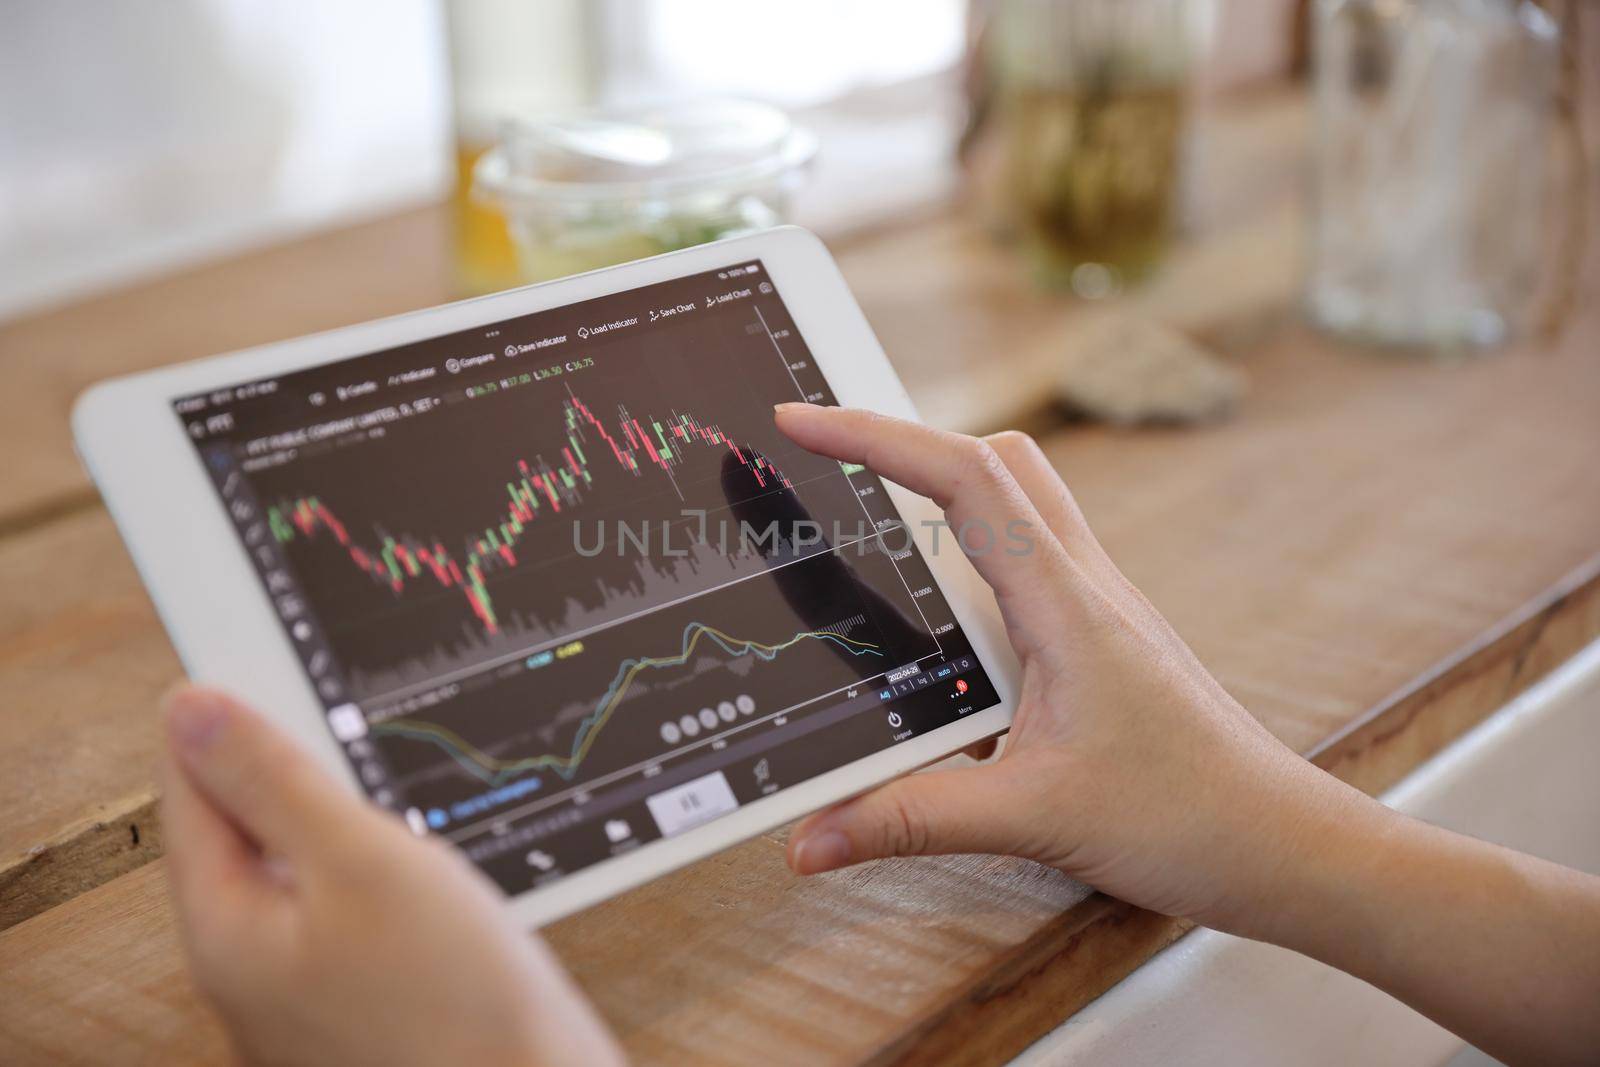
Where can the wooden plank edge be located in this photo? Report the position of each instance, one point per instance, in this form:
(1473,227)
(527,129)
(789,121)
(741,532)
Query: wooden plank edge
(1417,721)
(1095,945)
(1034,990)
(123,837)
(46,510)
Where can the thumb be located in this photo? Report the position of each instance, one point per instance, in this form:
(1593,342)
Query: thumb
(254,775)
(967,809)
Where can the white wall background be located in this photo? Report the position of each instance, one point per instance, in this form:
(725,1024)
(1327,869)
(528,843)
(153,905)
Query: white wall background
(138,136)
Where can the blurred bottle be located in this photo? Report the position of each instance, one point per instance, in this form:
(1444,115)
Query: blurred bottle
(1089,107)
(509,60)
(1433,125)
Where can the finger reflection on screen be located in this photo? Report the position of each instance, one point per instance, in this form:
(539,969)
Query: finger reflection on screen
(757,508)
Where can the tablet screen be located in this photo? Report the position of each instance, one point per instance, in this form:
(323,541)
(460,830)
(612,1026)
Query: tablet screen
(561,585)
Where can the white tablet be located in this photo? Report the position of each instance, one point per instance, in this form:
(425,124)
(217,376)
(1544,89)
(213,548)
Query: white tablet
(538,572)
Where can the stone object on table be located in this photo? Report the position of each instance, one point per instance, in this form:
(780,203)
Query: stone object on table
(1126,370)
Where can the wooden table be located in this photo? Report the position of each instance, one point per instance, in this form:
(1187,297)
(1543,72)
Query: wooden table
(1372,556)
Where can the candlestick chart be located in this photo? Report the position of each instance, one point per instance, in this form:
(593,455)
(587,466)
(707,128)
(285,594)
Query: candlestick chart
(537,489)
(467,549)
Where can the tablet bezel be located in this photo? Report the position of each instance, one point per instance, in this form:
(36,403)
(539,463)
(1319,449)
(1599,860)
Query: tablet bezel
(226,634)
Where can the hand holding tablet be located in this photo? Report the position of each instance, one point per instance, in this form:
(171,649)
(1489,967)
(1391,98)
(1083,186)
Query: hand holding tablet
(544,575)
(363,534)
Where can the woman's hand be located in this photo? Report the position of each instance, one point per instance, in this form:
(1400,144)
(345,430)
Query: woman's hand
(1127,766)
(324,931)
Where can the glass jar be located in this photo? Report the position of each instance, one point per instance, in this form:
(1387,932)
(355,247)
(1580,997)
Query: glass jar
(1090,104)
(590,191)
(1433,119)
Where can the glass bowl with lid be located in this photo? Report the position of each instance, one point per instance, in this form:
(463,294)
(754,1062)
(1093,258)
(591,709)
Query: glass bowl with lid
(591,190)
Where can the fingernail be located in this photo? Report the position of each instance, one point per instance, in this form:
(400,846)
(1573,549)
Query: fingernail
(822,852)
(196,718)
(792,405)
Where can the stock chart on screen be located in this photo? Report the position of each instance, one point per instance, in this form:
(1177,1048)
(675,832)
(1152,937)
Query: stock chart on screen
(561,586)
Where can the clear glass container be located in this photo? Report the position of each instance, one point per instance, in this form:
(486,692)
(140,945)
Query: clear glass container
(1091,99)
(604,188)
(1433,122)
